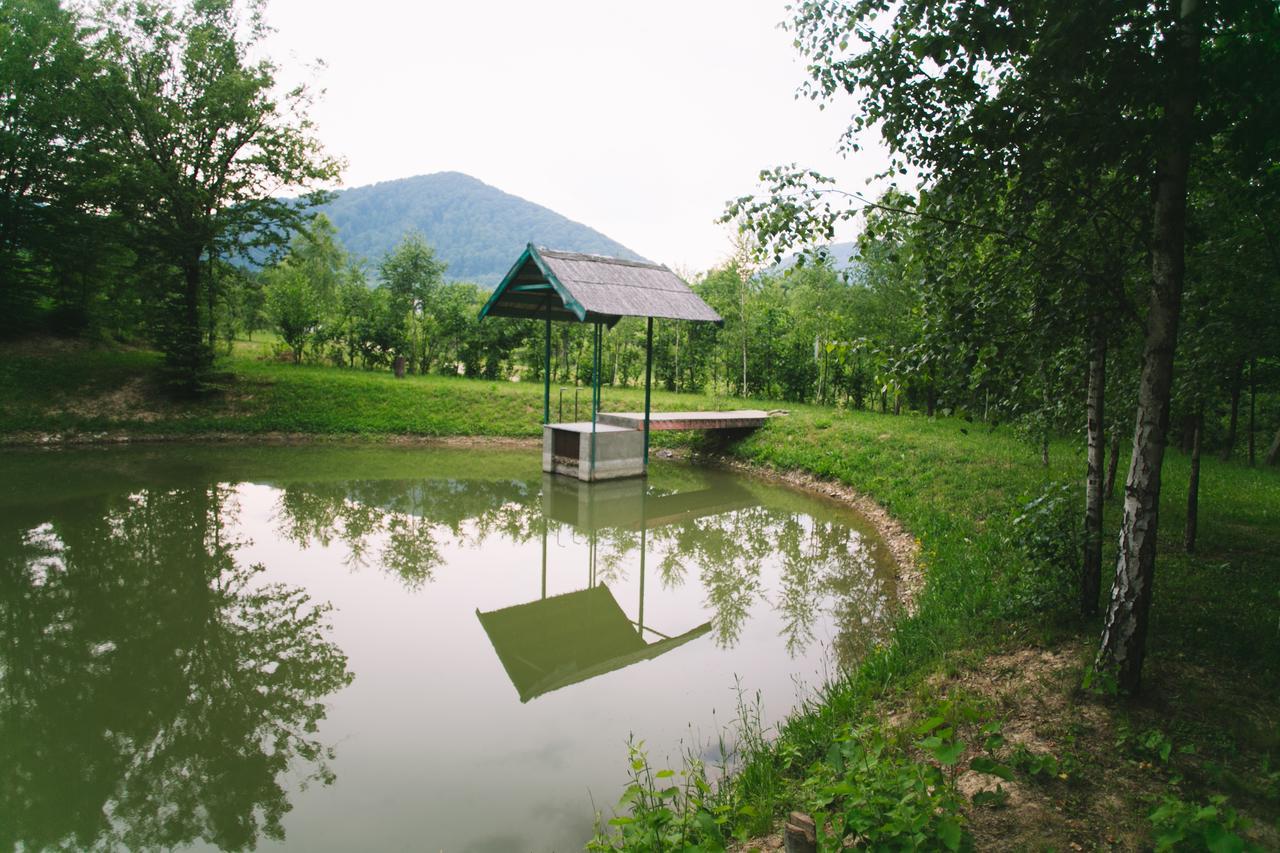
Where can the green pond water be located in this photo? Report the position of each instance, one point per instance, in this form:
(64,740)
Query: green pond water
(351,647)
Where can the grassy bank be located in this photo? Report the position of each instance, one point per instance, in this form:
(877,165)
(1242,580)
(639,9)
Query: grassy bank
(972,727)
(988,674)
(74,391)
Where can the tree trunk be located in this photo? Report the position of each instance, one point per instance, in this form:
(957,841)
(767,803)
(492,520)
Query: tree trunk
(1193,485)
(1046,399)
(1253,410)
(1124,637)
(822,375)
(676,326)
(186,350)
(1273,452)
(1235,410)
(211,298)
(1187,432)
(930,400)
(1091,576)
(1113,463)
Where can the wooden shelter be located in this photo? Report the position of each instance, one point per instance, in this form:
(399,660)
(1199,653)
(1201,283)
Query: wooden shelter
(572,287)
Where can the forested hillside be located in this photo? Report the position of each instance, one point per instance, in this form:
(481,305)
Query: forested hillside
(478,230)
(842,257)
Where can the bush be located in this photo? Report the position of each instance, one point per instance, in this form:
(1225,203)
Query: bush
(1047,530)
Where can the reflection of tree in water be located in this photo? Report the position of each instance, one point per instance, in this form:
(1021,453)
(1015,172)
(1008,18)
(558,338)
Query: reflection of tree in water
(152,691)
(800,597)
(819,561)
(824,567)
(413,519)
(616,551)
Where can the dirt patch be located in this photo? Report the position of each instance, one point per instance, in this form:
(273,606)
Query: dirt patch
(43,346)
(1090,767)
(132,401)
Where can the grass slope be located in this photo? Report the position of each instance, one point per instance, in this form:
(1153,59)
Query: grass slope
(978,642)
(74,392)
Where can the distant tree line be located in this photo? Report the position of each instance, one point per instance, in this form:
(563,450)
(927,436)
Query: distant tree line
(329,308)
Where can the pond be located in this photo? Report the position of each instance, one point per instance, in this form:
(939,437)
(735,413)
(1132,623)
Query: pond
(351,647)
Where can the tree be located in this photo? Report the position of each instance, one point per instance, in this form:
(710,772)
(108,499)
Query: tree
(411,275)
(204,146)
(55,175)
(990,104)
(293,306)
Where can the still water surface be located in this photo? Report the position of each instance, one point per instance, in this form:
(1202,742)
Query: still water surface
(337,648)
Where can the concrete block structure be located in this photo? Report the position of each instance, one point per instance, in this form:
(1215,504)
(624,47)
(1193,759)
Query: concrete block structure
(567,449)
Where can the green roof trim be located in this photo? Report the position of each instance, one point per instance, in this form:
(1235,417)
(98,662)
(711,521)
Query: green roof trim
(530,253)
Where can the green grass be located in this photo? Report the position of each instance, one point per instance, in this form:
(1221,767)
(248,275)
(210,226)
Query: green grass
(1214,643)
(86,391)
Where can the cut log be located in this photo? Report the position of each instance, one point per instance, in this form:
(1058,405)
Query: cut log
(800,834)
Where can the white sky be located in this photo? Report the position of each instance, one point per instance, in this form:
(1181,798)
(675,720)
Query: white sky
(638,119)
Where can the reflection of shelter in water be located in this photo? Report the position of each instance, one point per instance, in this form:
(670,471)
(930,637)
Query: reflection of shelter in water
(565,639)
(627,504)
(554,642)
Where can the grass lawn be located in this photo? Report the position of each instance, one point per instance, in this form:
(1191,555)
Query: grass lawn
(973,720)
(76,391)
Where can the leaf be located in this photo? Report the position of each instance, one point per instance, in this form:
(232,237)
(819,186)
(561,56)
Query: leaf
(711,838)
(949,833)
(930,724)
(948,753)
(1219,839)
(983,764)
(993,799)
(665,774)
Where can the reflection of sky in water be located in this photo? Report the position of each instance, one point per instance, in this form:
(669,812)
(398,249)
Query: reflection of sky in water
(180,631)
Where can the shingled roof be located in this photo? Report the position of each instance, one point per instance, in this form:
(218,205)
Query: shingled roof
(593,289)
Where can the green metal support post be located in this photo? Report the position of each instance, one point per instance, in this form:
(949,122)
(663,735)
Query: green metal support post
(546,375)
(648,374)
(595,395)
(644,529)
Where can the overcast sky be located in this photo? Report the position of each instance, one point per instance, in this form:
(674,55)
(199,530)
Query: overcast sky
(639,119)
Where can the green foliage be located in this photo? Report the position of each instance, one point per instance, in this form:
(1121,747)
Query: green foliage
(1180,825)
(868,788)
(158,146)
(56,170)
(1156,744)
(293,305)
(1042,765)
(1047,529)
(665,810)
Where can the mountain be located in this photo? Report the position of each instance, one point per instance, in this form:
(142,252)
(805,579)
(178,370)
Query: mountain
(478,229)
(844,258)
